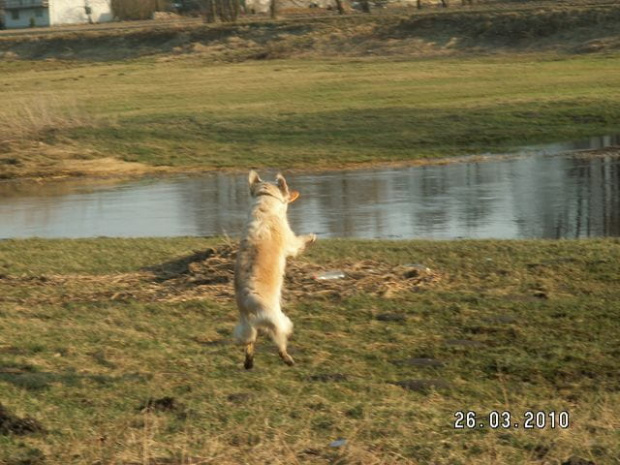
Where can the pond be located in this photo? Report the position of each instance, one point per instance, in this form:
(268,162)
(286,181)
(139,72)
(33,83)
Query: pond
(530,196)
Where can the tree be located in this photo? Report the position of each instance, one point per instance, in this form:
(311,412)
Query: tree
(226,10)
(208,11)
(273,9)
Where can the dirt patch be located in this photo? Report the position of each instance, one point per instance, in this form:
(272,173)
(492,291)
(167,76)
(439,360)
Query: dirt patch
(212,272)
(103,167)
(41,160)
(209,274)
(239,398)
(164,404)
(12,424)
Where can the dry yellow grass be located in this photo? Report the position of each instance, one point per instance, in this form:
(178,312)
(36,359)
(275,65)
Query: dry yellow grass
(34,117)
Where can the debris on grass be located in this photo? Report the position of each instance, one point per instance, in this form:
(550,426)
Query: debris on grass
(329,275)
(210,274)
(213,273)
(338,443)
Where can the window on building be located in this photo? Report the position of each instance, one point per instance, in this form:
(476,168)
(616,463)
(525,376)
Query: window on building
(15,15)
(38,13)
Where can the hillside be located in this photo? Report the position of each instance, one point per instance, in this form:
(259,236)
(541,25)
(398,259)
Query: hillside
(568,28)
(306,92)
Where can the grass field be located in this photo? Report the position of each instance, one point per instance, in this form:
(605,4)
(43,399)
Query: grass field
(120,353)
(367,91)
(297,114)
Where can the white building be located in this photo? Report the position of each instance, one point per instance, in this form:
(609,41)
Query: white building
(38,13)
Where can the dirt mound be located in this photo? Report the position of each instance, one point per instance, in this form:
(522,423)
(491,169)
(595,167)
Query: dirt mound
(211,272)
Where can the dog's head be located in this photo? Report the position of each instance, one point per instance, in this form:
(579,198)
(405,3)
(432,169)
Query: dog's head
(278,190)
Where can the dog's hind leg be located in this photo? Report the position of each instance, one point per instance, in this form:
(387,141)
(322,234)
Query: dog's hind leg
(280,339)
(280,336)
(249,356)
(246,334)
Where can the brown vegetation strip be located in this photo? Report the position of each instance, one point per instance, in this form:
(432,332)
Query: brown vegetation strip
(209,274)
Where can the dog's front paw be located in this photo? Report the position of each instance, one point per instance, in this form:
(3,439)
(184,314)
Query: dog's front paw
(311,239)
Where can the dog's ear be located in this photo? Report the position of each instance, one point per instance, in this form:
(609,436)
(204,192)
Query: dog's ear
(294,195)
(253,178)
(282,185)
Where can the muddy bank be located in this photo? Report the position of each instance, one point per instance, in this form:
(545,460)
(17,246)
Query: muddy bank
(71,167)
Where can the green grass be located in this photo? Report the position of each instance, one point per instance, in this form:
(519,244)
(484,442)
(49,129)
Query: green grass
(308,114)
(93,337)
(192,114)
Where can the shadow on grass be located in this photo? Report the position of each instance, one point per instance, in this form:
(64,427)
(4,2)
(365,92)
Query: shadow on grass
(12,424)
(212,268)
(179,266)
(28,378)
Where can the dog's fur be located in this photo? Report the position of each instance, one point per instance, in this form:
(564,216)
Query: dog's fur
(259,272)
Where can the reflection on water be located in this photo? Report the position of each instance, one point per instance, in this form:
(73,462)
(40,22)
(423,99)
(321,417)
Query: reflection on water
(530,197)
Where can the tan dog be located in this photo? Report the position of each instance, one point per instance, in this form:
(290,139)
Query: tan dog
(259,272)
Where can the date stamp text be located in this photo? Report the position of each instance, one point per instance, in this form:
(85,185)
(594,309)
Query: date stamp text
(468,419)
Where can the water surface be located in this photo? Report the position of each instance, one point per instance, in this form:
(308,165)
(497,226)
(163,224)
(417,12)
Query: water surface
(537,196)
